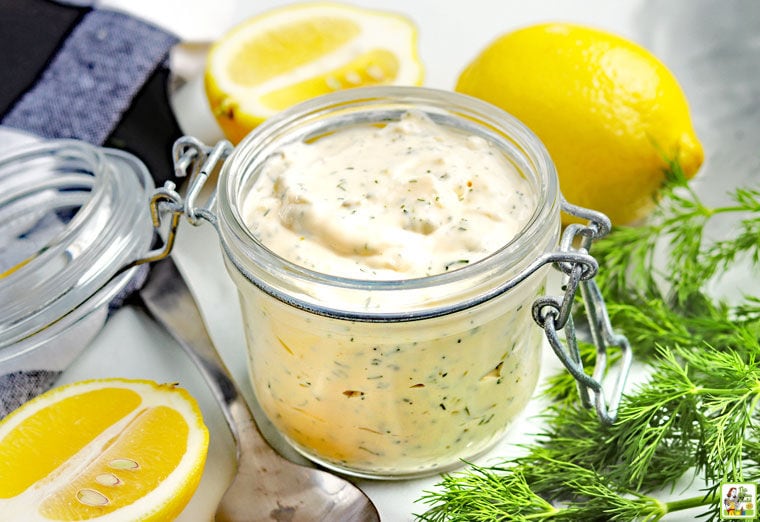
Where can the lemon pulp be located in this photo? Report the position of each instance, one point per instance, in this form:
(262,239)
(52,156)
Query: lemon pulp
(282,57)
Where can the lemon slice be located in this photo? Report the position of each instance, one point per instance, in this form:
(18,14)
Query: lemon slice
(275,60)
(104,450)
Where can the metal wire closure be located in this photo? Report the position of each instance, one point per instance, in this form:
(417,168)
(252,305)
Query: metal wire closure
(191,158)
(553,314)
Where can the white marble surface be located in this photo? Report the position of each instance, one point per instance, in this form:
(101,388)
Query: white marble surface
(451,34)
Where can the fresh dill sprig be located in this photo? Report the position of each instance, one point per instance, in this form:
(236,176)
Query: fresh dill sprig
(653,322)
(724,253)
(699,403)
(697,413)
(507,492)
(695,416)
(669,258)
(486,494)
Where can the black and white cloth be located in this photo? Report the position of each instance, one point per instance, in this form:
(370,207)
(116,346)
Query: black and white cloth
(74,70)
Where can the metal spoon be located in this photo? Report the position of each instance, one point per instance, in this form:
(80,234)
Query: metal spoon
(267,487)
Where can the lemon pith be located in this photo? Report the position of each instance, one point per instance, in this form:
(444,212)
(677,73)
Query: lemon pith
(115,480)
(29,444)
(609,112)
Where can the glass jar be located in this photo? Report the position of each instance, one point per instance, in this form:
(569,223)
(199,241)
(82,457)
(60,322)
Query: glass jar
(435,368)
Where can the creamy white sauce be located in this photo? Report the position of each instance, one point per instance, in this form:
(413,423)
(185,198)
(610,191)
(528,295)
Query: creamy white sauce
(405,200)
(399,201)
(394,400)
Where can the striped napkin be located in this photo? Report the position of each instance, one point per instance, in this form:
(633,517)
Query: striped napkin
(95,87)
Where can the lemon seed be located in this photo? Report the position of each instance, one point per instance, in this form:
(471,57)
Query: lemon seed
(91,497)
(376,73)
(333,83)
(107,479)
(353,78)
(123,464)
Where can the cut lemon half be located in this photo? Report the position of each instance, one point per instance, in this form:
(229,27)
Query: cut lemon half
(102,450)
(288,55)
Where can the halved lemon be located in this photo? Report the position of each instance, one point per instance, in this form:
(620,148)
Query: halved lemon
(102,450)
(282,57)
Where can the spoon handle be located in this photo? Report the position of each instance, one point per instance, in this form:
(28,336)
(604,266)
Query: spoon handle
(266,486)
(169,300)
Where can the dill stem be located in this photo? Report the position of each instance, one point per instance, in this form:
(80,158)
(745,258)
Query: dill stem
(698,390)
(723,210)
(544,515)
(687,503)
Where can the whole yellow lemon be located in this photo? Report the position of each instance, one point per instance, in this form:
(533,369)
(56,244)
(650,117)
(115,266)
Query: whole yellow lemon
(609,112)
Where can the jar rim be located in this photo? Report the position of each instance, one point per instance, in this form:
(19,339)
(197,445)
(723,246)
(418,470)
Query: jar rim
(240,244)
(96,199)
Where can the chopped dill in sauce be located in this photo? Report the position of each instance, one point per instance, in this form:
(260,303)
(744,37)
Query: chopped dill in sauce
(456,199)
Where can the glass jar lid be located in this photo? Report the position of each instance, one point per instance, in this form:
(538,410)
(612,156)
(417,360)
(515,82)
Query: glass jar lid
(73,215)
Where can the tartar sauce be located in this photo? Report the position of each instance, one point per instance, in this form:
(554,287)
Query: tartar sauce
(400,200)
(408,199)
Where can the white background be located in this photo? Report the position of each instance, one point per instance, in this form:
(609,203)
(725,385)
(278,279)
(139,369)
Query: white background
(711,46)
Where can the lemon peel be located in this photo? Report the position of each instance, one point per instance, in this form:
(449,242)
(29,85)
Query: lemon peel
(609,112)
